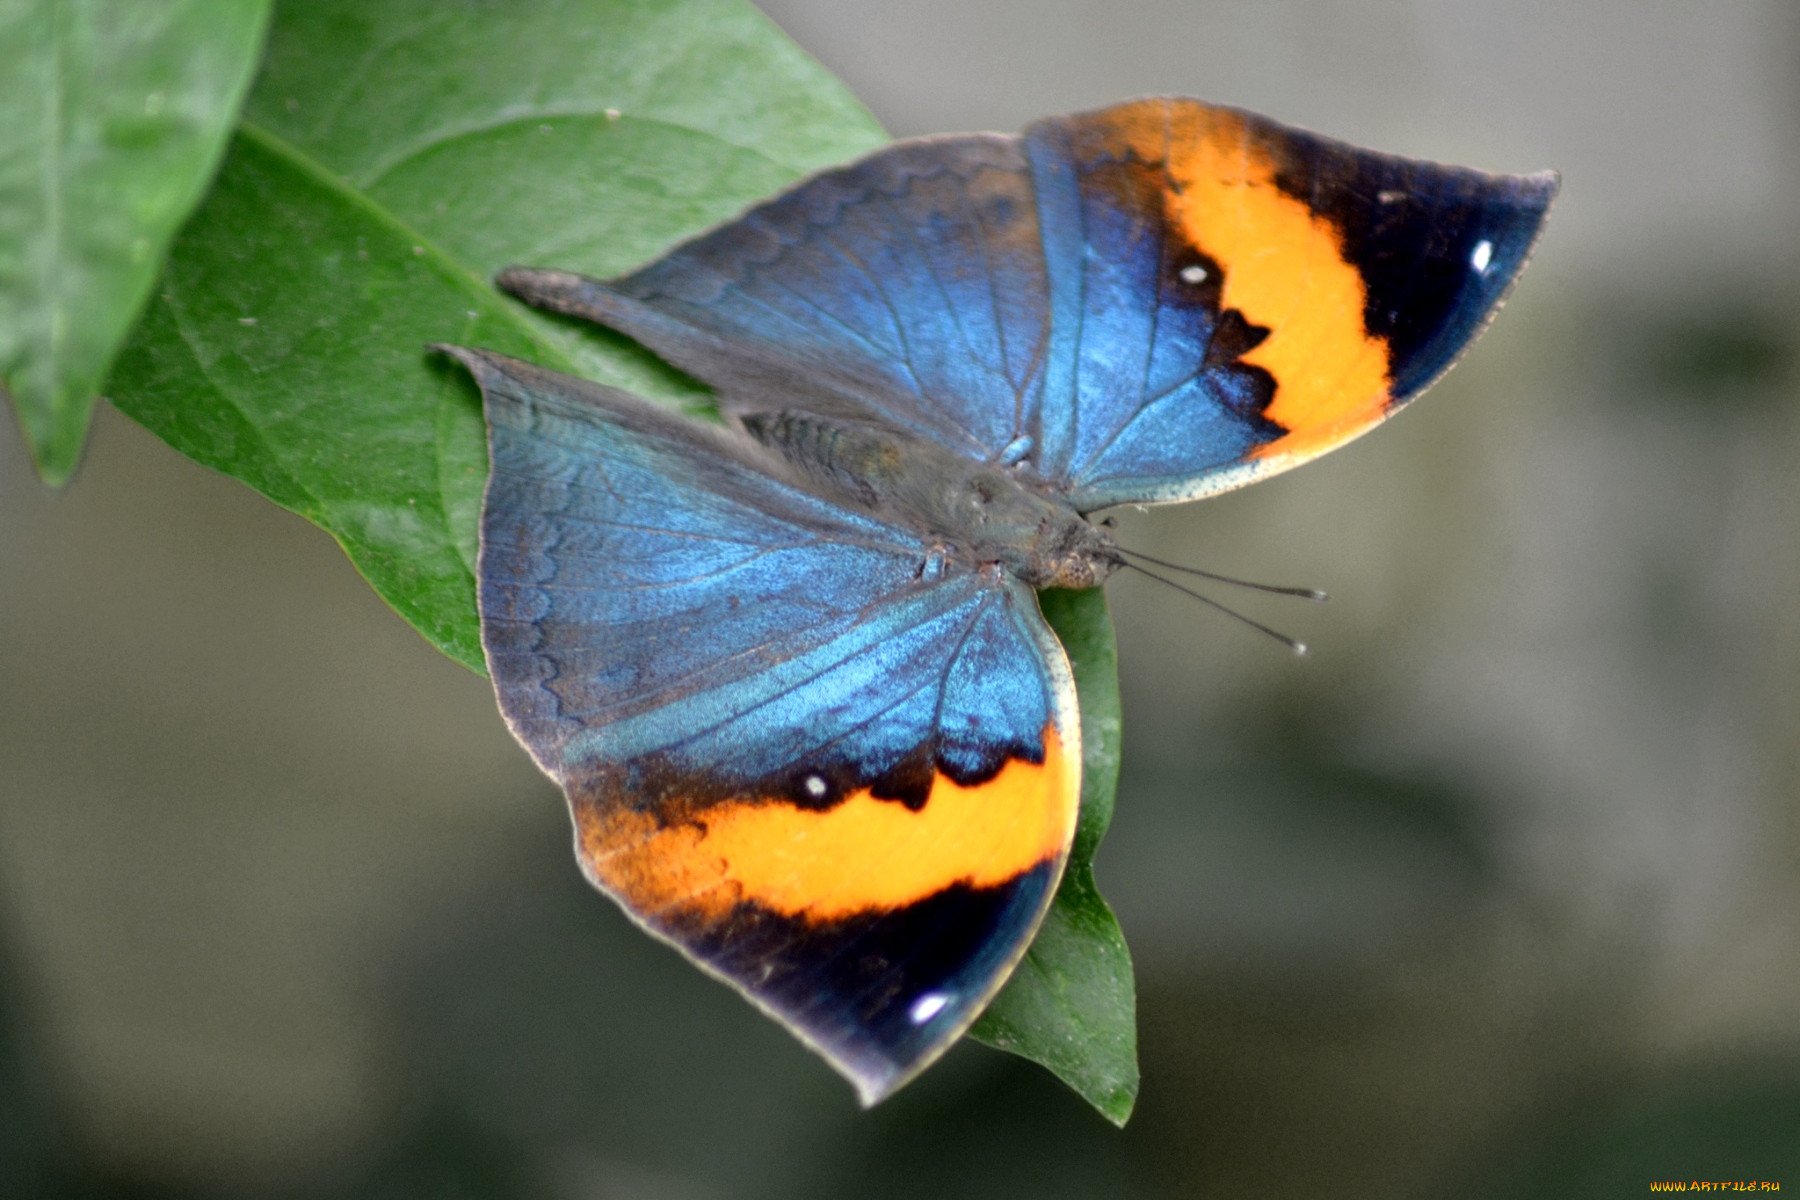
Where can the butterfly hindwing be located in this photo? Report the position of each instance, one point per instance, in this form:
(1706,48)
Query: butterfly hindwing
(835,770)
(1151,302)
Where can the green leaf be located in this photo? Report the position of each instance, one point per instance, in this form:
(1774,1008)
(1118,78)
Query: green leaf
(286,348)
(1071,1005)
(393,157)
(116,112)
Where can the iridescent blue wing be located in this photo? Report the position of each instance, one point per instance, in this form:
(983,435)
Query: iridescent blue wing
(1151,302)
(834,770)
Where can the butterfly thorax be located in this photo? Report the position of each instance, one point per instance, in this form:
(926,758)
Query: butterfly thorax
(984,513)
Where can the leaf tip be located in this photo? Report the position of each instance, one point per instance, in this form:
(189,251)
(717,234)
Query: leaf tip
(54,470)
(54,438)
(1119,1105)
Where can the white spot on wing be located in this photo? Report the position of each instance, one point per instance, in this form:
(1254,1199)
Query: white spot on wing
(1193,274)
(815,787)
(1483,257)
(926,1007)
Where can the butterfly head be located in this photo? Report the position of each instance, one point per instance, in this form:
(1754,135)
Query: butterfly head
(1071,552)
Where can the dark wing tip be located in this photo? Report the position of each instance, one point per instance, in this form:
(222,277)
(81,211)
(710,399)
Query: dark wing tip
(1547,183)
(507,384)
(488,367)
(1490,231)
(465,355)
(478,361)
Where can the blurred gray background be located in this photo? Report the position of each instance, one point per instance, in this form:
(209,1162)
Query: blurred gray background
(1497,894)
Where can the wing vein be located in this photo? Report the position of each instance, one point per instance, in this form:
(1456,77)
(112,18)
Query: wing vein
(790,689)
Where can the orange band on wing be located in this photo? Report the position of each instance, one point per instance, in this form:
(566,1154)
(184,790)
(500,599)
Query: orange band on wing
(1284,270)
(859,855)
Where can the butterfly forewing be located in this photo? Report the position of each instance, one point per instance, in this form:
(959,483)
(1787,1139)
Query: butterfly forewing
(1230,297)
(906,288)
(1151,302)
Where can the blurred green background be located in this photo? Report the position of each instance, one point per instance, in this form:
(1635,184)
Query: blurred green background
(1496,895)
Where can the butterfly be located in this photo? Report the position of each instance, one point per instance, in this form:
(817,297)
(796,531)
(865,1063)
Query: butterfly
(791,671)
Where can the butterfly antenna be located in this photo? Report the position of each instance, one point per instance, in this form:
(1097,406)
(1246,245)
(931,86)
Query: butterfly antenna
(1304,593)
(1298,647)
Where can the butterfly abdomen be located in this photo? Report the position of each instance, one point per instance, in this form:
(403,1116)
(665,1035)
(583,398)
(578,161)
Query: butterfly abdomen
(985,514)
